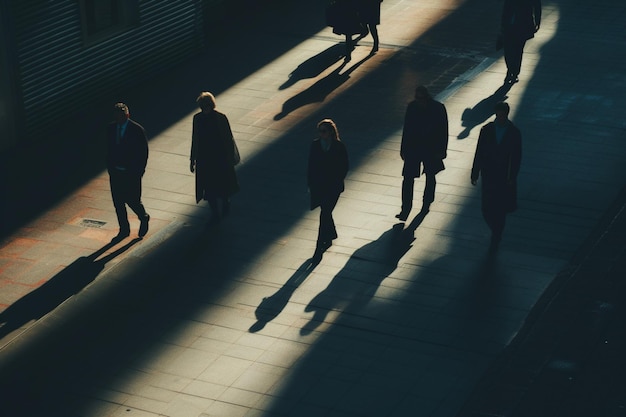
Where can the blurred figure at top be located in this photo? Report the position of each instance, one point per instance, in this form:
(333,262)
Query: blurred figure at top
(520,21)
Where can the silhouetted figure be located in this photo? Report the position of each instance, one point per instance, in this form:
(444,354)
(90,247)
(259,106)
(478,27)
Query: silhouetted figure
(343,17)
(369,15)
(497,160)
(213,158)
(424,143)
(127,156)
(327,168)
(520,21)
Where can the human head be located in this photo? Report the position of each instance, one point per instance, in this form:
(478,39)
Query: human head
(502,111)
(206,101)
(328,126)
(120,113)
(422,95)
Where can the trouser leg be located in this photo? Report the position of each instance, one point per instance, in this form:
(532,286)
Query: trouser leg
(495,219)
(327,230)
(429,189)
(117,184)
(407,194)
(513,51)
(134,196)
(374,32)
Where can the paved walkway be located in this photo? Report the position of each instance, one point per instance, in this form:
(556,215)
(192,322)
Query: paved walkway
(397,319)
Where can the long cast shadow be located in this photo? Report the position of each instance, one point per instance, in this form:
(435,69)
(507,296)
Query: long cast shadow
(271,306)
(482,111)
(315,65)
(318,92)
(59,288)
(359,279)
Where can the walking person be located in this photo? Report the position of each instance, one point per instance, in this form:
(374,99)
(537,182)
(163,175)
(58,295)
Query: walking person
(497,161)
(424,144)
(327,168)
(343,17)
(213,158)
(369,15)
(520,21)
(127,157)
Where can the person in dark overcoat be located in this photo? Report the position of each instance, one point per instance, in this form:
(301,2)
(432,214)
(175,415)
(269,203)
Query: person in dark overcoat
(519,22)
(343,17)
(327,168)
(424,144)
(369,15)
(213,158)
(497,161)
(127,157)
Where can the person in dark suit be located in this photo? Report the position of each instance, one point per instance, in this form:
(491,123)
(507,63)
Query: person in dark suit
(369,15)
(497,161)
(213,157)
(127,156)
(327,168)
(424,143)
(520,21)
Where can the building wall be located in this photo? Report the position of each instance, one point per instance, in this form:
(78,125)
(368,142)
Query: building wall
(59,67)
(8,134)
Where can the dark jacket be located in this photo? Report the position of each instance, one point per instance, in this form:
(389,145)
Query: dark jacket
(519,18)
(131,153)
(424,138)
(498,165)
(213,150)
(326,171)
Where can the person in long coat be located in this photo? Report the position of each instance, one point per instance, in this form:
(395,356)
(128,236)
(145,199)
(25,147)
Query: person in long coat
(343,17)
(424,144)
(519,22)
(213,157)
(327,168)
(497,161)
(369,16)
(127,157)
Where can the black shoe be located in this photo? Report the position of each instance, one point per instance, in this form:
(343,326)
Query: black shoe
(511,79)
(403,215)
(123,234)
(143,227)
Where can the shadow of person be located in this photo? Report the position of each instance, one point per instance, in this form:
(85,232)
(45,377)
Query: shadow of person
(317,92)
(59,288)
(271,306)
(482,111)
(315,65)
(359,279)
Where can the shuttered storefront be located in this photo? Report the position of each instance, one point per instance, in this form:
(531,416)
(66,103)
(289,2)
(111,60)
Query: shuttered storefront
(62,67)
